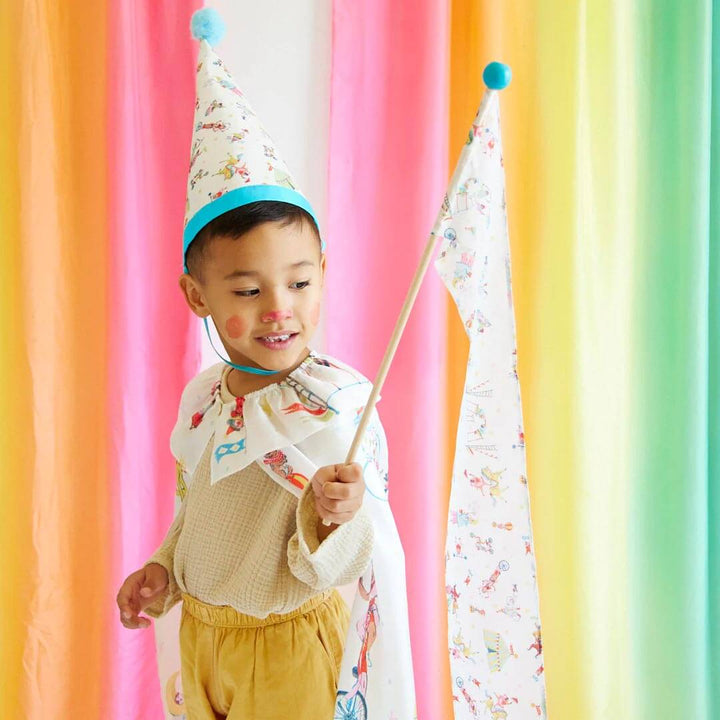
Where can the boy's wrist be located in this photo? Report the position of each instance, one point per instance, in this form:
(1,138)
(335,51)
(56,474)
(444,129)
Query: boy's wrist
(324,530)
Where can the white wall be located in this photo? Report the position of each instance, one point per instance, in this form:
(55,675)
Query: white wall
(279,52)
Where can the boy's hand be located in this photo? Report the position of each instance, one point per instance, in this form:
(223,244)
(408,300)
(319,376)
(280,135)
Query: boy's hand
(339,491)
(139,590)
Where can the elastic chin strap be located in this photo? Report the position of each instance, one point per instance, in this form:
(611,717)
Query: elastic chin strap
(244,368)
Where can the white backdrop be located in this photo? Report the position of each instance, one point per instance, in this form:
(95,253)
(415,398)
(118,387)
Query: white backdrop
(279,53)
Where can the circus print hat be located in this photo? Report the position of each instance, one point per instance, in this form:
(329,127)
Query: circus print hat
(233,160)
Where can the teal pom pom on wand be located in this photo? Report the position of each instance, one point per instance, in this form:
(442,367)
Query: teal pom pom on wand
(206,24)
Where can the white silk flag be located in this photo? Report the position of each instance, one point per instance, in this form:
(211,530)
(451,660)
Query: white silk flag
(493,611)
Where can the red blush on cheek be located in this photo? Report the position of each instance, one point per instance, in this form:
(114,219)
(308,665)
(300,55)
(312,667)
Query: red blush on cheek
(315,314)
(235,327)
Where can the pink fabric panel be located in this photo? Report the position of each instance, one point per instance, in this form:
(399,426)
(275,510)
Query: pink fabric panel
(153,347)
(387,177)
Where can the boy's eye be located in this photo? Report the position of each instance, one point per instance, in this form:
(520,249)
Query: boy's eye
(252,293)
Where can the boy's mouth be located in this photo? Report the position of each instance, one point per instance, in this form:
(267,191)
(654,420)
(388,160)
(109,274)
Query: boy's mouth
(277,341)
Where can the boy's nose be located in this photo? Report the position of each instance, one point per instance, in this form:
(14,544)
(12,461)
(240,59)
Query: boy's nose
(276,315)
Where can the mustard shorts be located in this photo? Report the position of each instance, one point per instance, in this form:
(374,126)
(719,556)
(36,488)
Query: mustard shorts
(280,667)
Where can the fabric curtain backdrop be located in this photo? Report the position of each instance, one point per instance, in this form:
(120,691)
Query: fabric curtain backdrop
(97,104)
(387,173)
(610,132)
(153,343)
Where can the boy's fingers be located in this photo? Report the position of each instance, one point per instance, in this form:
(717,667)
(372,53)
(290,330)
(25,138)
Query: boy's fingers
(156,580)
(125,597)
(349,473)
(134,594)
(343,491)
(324,475)
(126,614)
(146,600)
(128,606)
(337,506)
(125,610)
(344,505)
(135,622)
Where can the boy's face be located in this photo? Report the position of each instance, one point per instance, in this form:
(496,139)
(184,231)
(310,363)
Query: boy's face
(266,284)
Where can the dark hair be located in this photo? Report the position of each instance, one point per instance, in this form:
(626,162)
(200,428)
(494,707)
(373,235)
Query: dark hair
(236,222)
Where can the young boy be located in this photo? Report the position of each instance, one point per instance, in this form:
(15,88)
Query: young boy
(260,443)
(234,552)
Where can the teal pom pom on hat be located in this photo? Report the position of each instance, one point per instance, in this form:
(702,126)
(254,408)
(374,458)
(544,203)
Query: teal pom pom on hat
(206,24)
(497,75)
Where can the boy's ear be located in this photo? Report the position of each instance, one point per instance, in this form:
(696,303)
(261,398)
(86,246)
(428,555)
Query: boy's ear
(322,268)
(193,295)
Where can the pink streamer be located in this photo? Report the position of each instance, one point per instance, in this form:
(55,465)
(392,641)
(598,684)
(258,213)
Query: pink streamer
(152,349)
(387,175)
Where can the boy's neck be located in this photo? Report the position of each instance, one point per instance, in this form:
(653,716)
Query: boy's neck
(240,383)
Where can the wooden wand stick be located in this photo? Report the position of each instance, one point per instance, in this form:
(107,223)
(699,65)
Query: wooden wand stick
(496,76)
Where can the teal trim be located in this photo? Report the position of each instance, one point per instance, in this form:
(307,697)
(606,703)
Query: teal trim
(244,368)
(237,198)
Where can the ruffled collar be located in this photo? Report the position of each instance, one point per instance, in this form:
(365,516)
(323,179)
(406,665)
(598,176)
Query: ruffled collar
(320,392)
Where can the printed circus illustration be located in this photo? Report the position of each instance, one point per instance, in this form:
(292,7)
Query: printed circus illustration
(277,461)
(309,402)
(198,416)
(473,195)
(181,485)
(174,698)
(236,421)
(351,705)
(233,166)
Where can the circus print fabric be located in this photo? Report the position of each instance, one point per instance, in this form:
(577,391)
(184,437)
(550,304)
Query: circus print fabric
(494,635)
(290,429)
(376,674)
(320,392)
(230,147)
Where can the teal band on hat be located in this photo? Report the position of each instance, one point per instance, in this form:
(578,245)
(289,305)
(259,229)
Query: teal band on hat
(237,198)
